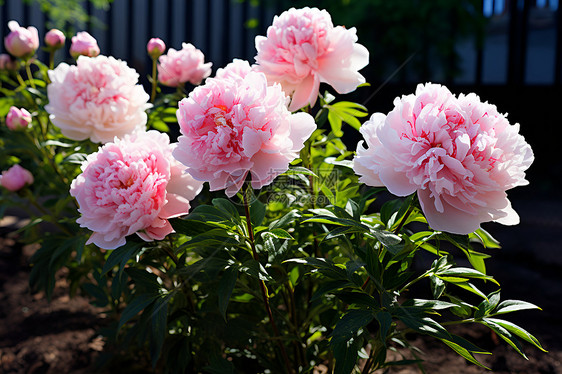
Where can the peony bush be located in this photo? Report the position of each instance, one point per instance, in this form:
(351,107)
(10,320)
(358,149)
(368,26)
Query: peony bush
(263,243)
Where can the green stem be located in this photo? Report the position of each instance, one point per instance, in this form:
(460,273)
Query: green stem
(263,288)
(414,281)
(395,231)
(52,59)
(154,81)
(20,79)
(29,75)
(44,211)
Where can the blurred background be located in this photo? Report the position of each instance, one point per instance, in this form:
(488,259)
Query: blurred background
(509,52)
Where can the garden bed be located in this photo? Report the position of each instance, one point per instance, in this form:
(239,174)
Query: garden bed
(62,336)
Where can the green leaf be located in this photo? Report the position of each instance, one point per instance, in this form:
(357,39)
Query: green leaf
(143,279)
(508,306)
(461,272)
(513,328)
(135,306)
(227,207)
(424,325)
(225,287)
(286,220)
(428,304)
(324,266)
(256,270)
(349,324)
(345,353)
(159,328)
(279,233)
(329,287)
(337,221)
(121,255)
(299,170)
(504,334)
(99,294)
(257,212)
(463,352)
(485,238)
(385,322)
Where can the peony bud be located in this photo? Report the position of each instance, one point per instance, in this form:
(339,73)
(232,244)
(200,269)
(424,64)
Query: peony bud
(15,178)
(21,42)
(84,44)
(54,39)
(155,47)
(18,119)
(7,63)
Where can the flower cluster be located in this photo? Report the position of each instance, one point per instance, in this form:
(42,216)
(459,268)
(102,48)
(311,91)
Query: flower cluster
(100,168)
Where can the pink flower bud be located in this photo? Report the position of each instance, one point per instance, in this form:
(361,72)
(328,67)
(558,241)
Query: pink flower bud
(21,42)
(15,178)
(54,39)
(155,47)
(84,44)
(18,118)
(7,63)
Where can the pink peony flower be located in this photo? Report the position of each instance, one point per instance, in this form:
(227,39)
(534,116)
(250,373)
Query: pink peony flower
(459,154)
(234,126)
(303,49)
(84,44)
(54,39)
(237,69)
(21,42)
(132,185)
(15,178)
(98,98)
(185,65)
(155,47)
(18,118)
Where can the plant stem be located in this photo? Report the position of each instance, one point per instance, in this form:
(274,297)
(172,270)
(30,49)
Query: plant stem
(262,283)
(20,80)
(51,59)
(29,75)
(395,231)
(414,281)
(154,82)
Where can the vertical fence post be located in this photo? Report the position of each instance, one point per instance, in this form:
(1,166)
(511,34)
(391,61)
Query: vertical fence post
(517,43)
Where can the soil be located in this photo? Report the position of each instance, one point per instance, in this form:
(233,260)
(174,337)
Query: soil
(60,337)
